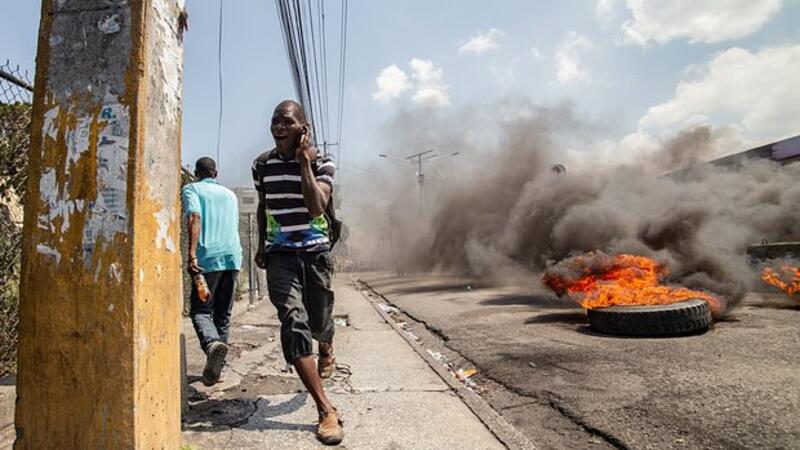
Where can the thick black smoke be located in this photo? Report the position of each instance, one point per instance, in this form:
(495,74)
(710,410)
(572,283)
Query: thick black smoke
(503,211)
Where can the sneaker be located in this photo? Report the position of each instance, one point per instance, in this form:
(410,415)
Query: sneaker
(330,431)
(215,360)
(327,358)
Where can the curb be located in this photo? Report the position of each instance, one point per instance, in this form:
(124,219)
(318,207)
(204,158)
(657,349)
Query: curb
(497,425)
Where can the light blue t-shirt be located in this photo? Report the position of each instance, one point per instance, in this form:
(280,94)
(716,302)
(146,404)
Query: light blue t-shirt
(218,247)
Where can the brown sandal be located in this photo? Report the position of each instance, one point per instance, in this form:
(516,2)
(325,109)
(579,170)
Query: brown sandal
(330,431)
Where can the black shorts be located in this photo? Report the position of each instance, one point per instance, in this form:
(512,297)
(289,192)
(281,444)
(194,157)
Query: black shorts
(299,285)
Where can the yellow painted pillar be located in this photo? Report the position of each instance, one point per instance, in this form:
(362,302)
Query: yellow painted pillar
(98,363)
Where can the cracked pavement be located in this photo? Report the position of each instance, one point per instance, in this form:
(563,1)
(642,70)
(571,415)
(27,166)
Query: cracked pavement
(389,396)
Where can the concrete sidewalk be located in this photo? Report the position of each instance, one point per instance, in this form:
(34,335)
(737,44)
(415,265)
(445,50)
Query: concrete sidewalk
(390,398)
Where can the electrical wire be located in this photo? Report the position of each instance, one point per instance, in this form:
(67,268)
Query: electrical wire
(321,9)
(342,74)
(309,106)
(219,75)
(304,34)
(315,74)
(295,31)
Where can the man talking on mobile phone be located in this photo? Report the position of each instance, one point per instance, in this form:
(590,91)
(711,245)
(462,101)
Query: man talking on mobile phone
(294,187)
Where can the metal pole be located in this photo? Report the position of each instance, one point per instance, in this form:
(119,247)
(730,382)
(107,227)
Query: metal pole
(250,271)
(421,196)
(255,268)
(420,181)
(256,284)
(259,285)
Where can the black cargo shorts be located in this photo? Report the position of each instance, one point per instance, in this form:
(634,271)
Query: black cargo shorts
(299,285)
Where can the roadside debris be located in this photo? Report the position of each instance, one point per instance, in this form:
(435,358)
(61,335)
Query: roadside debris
(463,375)
(412,336)
(436,355)
(388,309)
(401,321)
(341,320)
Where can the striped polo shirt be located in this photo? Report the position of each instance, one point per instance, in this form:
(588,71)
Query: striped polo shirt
(289,224)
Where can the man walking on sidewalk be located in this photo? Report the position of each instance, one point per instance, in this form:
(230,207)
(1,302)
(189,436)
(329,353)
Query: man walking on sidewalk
(213,221)
(294,187)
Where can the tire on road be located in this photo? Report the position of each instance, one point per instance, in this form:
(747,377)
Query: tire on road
(688,317)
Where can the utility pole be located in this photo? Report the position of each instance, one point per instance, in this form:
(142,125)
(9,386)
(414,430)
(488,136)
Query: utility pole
(417,159)
(259,285)
(250,269)
(99,353)
(327,144)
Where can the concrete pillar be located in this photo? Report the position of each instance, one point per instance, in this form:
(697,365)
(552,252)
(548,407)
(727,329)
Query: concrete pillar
(98,363)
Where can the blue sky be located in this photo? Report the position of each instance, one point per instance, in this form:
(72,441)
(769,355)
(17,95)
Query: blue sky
(644,69)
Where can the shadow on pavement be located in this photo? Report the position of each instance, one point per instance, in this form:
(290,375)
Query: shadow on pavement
(248,414)
(588,331)
(406,287)
(267,410)
(543,301)
(777,305)
(571,317)
(218,415)
(730,318)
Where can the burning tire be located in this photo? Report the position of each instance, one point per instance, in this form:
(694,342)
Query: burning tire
(688,317)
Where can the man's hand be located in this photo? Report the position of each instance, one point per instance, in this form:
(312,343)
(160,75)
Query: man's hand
(261,258)
(305,151)
(192,267)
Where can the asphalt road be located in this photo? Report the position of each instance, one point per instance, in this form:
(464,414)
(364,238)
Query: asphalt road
(564,386)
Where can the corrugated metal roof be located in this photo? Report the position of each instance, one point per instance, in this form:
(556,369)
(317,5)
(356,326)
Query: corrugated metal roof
(787,148)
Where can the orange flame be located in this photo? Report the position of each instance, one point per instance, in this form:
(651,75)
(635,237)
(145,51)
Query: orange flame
(792,287)
(622,280)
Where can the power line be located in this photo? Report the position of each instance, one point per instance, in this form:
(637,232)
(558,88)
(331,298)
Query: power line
(417,159)
(304,34)
(295,31)
(219,74)
(342,73)
(321,9)
(315,74)
(309,104)
(284,14)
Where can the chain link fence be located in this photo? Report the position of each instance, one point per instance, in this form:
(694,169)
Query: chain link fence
(16,93)
(252,281)
(186,178)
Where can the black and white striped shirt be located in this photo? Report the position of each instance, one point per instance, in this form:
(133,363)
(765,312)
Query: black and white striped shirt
(289,224)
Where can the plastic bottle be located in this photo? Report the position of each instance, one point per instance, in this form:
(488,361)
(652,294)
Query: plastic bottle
(202,287)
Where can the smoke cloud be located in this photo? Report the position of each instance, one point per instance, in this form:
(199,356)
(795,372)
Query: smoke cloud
(499,210)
